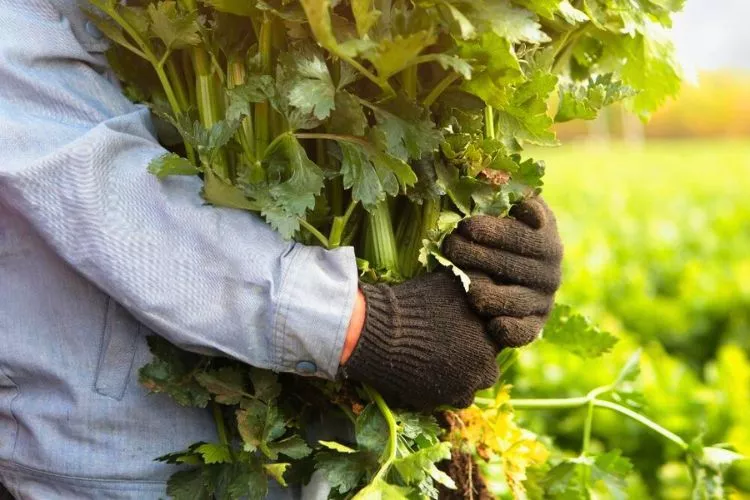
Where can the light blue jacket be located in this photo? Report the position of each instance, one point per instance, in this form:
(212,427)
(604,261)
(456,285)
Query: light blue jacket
(96,253)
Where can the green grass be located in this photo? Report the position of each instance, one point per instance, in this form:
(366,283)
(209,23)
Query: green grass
(658,252)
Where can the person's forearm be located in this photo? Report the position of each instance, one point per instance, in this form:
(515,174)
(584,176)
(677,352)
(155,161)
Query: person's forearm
(356,324)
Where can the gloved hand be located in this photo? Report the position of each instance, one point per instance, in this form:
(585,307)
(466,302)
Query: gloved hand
(514,266)
(422,345)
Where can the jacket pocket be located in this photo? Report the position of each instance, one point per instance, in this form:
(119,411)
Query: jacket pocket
(8,424)
(119,344)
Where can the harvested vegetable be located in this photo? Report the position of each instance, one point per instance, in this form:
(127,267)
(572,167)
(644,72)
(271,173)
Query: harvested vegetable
(379,124)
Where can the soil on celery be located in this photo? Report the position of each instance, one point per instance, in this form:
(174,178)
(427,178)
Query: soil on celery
(465,473)
(462,469)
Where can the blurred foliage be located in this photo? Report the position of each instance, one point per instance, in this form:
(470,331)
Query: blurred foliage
(657,253)
(718,105)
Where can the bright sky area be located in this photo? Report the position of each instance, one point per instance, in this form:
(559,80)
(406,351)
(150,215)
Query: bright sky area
(713,34)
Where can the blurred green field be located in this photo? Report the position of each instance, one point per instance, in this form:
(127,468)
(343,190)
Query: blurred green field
(658,253)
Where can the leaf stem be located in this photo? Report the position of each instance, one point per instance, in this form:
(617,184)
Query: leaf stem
(439,89)
(220,425)
(489,122)
(569,403)
(333,137)
(262,109)
(339,224)
(318,235)
(588,425)
(391,447)
(151,58)
(671,436)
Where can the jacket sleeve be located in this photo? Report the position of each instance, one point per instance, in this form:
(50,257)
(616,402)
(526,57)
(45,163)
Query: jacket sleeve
(208,279)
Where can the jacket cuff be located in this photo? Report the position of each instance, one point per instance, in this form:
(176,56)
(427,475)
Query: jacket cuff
(315,303)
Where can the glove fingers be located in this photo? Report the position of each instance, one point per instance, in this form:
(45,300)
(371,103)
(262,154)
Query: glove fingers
(490,299)
(515,332)
(505,266)
(533,212)
(512,235)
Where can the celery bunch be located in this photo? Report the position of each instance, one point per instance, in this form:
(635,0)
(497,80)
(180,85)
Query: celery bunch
(373,123)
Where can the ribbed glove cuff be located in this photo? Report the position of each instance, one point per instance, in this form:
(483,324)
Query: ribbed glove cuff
(394,337)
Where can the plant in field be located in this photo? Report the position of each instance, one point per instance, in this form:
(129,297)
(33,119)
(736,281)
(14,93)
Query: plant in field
(379,124)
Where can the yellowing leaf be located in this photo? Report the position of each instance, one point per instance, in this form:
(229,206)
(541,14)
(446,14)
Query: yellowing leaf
(365,15)
(392,56)
(493,431)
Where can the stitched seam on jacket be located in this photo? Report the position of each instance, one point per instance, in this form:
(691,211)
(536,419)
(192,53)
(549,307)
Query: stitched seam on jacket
(12,412)
(302,255)
(15,468)
(280,317)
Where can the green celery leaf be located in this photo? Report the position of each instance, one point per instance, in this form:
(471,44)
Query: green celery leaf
(492,200)
(175,28)
(460,24)
(347,117)
(187,485)
(416,466)
(214,453)
(369,180)
(403,130)
(247,481)
(189,457)
(571,14)
(307,84)
(226,384)
(171,373)
(455,63)
(426,187)
(551,8)
(344,471)
(612,469)
(266,386)
(413,426)
(259,424)
(525,117)
(372,430)
(576,334)
(496,67)
(458,187)
(293,447)
(512,23)
(584,101)
(295,183)
(258,88)
(171,164)
(220,193)
(544,8)
(650,67)
(380,490)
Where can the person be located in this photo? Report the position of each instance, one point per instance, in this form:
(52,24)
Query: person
(96,254)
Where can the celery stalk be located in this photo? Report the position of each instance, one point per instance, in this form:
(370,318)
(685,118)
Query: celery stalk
(236,76)
(380,241)
(262,109)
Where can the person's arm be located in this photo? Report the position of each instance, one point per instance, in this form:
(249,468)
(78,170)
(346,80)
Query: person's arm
(212,280)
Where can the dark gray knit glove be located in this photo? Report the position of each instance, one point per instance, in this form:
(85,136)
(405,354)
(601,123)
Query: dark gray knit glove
(514,266)
(422,346)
